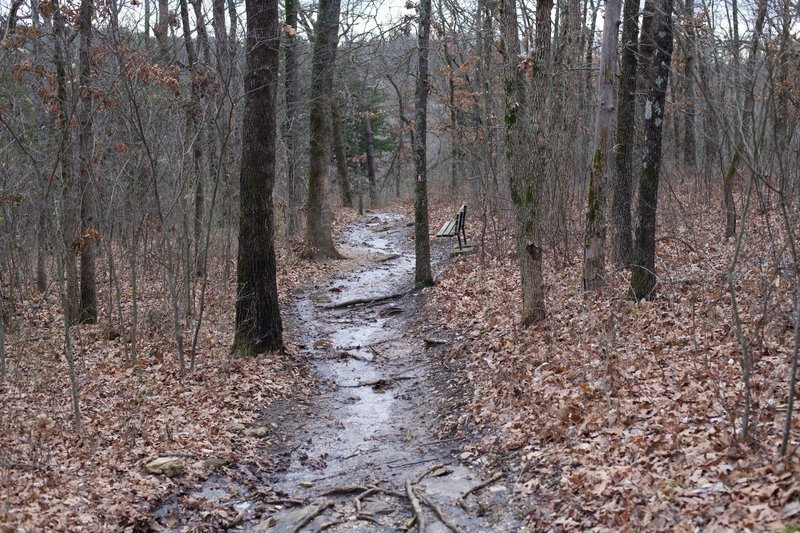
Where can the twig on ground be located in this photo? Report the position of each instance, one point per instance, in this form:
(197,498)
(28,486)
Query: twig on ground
(415,505)
(390,465)
(312,516)
(426,472)
(366,301)
(326,525)
(438,512)
(349,489)
(291,501)
(476,488)
(368,492)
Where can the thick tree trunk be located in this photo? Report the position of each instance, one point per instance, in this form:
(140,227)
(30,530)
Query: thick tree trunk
(291,126)
(340,153)
(258,320)
(594,254)
(621,242)
(643,279)
(523,182)
(88,304)
(318,223)
(422,275)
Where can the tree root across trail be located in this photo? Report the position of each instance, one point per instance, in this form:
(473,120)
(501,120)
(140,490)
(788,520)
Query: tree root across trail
(363,454)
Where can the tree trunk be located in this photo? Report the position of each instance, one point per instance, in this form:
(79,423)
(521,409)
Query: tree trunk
(161,30)
(88,304)
(369,148)
(523,182)
(423,276)
(594,255)
(743,132)
(194,134)
(2,342)
(621,242)
(340,152)
(318,224)
(291,126)
(258,320)
(643,279)
(69,228)
(689,157)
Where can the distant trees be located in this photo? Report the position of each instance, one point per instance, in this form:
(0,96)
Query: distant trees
(258,319)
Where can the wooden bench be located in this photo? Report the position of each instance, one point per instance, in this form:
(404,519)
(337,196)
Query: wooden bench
(455,227)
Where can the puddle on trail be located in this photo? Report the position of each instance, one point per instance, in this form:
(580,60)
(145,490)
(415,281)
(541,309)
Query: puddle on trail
(372,425)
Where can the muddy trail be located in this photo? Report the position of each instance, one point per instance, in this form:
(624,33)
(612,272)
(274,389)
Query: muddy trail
(363,454)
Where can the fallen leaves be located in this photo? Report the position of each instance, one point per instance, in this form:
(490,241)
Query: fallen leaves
(624,414)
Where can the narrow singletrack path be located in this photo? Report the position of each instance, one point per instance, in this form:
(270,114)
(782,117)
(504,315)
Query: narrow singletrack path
(364,456)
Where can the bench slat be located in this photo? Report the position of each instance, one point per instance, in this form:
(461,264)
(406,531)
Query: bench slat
(447,230)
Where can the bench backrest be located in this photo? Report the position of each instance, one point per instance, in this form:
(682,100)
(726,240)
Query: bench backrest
(460,217)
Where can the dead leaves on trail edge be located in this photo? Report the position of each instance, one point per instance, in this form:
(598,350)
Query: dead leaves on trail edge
(53,479)
(620,415)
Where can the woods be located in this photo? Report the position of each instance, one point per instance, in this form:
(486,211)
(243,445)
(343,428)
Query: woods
(198,196)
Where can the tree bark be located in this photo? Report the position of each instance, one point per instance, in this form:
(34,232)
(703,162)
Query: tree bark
(161,30)
(524,184)
(423,276)
(594,255)
(689,151)
(643,279)
(318,224)
(88,304)
(258,320)
(743,132)
(340,153)
(369,149)
(291,125)
(68,217)
(621,242)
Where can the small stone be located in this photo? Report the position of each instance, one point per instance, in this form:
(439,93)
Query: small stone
(235,427)
(376,507)
(168,466)
(307,484)
(212,463)
(258,432)
(465,455)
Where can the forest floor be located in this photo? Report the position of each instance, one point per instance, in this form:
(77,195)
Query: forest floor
(611,415)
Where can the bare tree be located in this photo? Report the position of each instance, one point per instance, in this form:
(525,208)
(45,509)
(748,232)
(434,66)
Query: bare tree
(318,224)
(659,39)
(523,180)
(594,255)
(89,233)
(291,125)
(258,320)
(422,274)
(621,242)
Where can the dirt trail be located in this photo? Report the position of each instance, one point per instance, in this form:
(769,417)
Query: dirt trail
(371,428)
(348,454)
